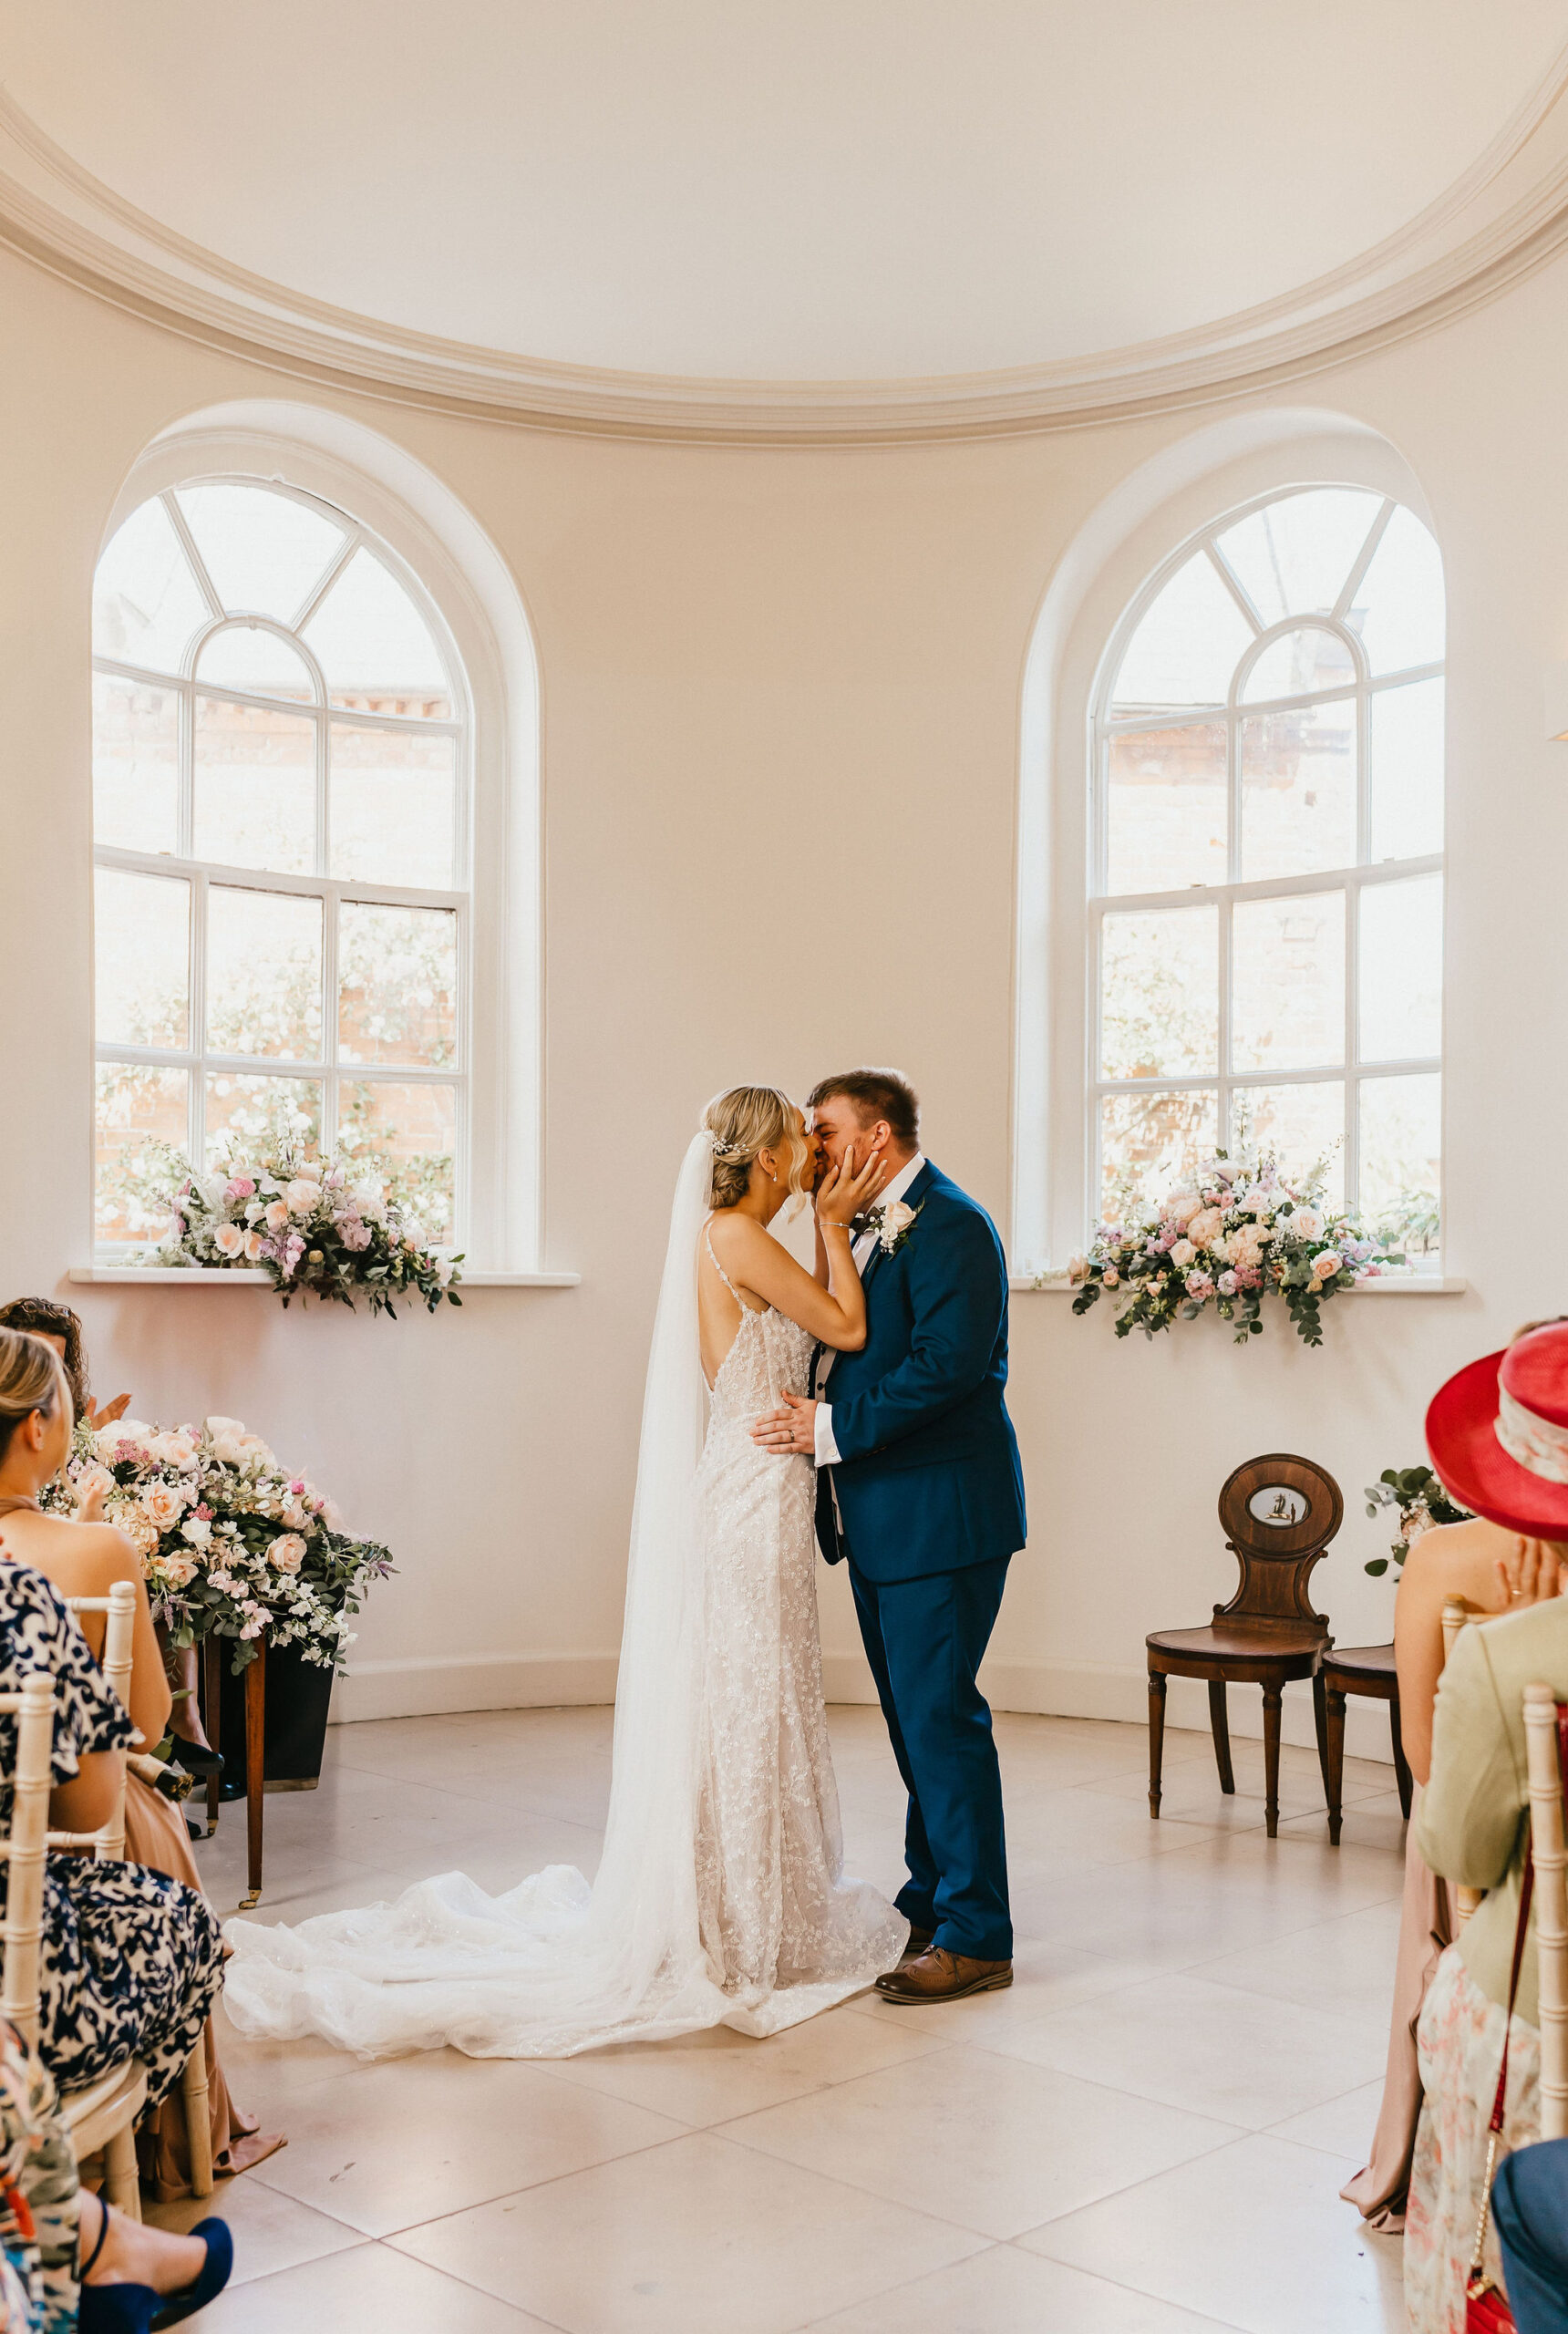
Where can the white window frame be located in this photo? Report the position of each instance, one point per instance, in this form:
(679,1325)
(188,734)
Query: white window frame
(470,594)
(1351,880)
(1146,516)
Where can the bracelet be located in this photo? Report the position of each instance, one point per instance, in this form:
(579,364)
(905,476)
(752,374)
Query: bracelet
(837,1228)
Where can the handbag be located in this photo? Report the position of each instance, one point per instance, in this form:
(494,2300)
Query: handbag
(1486,2306)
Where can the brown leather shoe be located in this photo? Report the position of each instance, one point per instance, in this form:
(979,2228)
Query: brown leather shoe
(938,1976)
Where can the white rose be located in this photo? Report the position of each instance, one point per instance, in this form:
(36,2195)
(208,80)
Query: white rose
(229,1240)
(303,1195)
(109,1438)
(370,1204)
(1183,1208)
(897,1217)
(1182,1252)
(197,1530)
(277,1215)
(1305,1224)
(287,1552)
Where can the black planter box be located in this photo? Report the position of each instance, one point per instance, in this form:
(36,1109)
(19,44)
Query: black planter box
(298,1694)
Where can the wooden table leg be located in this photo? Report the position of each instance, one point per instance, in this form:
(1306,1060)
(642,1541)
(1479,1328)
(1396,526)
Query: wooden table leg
(1156,1738)
(1401,1764)
(1334,1715)
(1271,1759)
(1220,1728)
(213,1677)
(255,1763)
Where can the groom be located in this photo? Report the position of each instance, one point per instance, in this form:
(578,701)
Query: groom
(919,1486)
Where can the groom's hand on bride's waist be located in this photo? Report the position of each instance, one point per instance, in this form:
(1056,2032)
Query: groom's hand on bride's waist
(791,1428)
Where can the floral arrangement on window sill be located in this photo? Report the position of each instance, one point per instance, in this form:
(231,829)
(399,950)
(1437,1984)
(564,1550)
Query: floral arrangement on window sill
(308,1224)
(235,1542)
(1419,1501)
(1242,1234)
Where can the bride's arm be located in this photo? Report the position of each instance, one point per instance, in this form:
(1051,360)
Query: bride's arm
(835,1314)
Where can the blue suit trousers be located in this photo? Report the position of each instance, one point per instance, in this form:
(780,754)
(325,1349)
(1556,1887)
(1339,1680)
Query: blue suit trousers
(1530,2206)
(924,1639)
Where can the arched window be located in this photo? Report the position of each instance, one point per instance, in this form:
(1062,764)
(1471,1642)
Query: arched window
(1266,886)
(281,788)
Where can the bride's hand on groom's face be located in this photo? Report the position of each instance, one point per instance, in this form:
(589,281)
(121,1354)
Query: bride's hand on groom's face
(790,1429)
(846,1189)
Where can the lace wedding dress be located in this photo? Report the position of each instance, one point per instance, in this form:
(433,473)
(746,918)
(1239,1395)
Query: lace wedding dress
(721,1897)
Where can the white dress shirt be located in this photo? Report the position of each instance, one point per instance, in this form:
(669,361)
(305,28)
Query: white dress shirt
(827,1451)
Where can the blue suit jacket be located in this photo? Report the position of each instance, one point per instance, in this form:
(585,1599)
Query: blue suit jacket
(929,1480)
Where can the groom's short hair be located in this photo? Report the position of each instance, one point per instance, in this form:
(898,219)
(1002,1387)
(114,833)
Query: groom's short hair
(876,1094)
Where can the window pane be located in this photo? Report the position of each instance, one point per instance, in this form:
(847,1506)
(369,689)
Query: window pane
(1287,982)
(1298,791)
(398,973)
(1299,663)
(1401,969)
(136,765)
(147,604)
(255,787)
(1399,611)
(404,1137)
(394,806)
(1187,645)
(1408,771)
(1159,993)
(1402,1156)
(1300,1124)
(141,949)
(264,552)
(1151,1145)
(1167,810)
(248,657)
(138,1110)
(377,650)
(247,1117)
(263,974)
(1292,557)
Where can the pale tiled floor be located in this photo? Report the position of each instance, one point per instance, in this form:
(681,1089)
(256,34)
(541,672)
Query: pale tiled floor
(1145,2136)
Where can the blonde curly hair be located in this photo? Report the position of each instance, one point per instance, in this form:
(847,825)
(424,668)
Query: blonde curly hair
(748,1119)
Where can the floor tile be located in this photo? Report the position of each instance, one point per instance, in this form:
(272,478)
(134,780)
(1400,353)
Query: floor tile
(272,2231)
(370,2288)
(704,2079)
(1005,2291)
(1214,2050)
(409,2139)
(1046,1976)
(696,2236)
(982,2139)
(1255,2236)
(1342,2126)
(1344,1967)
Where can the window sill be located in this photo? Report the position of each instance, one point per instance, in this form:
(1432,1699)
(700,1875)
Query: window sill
(1412,1285)
(252,1277)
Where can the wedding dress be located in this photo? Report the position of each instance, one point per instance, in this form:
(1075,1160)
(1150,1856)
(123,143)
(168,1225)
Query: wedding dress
(720,1897)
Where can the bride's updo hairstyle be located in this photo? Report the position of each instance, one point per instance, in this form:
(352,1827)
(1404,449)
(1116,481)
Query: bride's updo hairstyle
(748,1119)
(31,1378)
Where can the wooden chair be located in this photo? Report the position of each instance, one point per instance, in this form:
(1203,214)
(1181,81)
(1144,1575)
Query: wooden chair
(108,1842)
(1279,1515)
(1366,1669)
(1546,1751)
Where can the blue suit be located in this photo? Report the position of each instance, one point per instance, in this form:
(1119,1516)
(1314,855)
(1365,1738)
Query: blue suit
(929,1509)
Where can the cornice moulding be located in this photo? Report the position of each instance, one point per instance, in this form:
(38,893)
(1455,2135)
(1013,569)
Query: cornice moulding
(1504,217)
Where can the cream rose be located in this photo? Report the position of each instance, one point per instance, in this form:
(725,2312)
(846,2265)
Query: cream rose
(197,1530)
(229,1240)
(1204,1228)
(93,1482)
(1325,1265)
(162,1506)
(277,1215)
(1182,1253)
(287,1552)
(303,1195)
(177,1571)
(253,1247)
(1305,1224)
(1183,1208)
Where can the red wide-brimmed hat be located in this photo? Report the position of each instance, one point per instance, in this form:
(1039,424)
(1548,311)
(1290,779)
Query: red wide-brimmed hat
(1498,1434)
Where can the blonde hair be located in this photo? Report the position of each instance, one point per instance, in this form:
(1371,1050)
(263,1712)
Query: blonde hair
(32,1377)
(748,1119)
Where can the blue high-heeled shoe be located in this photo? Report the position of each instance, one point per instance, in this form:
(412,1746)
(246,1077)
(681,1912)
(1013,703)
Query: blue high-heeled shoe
(141,2309)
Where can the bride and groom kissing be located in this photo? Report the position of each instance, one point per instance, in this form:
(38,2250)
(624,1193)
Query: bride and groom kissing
(860,1406)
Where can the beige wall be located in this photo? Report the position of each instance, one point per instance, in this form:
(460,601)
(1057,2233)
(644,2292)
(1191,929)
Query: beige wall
(781,696)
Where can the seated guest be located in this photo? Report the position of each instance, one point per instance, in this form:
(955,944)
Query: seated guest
(132,1961)
(68,2260)
(1499,1438)
(40,1317)
(86,1560)
(1530,2206)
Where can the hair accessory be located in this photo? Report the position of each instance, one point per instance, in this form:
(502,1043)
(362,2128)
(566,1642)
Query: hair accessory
(736,1150)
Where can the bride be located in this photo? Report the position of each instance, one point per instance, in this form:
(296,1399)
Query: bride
(720,1897)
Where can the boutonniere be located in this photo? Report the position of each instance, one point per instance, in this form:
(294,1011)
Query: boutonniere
(893,1224)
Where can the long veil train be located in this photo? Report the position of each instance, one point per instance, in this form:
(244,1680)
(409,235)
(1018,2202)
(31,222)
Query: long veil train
(555,1966)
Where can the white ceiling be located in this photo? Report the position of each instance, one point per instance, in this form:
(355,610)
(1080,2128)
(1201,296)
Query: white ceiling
(806,191)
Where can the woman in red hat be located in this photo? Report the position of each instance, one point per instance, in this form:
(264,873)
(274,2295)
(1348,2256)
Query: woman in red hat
(1496,1566)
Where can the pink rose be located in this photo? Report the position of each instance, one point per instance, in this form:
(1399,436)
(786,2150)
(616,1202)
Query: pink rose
(240,1187)
(1226,1283)
(1111,1276)
(1200,1287)
(1325,1266)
